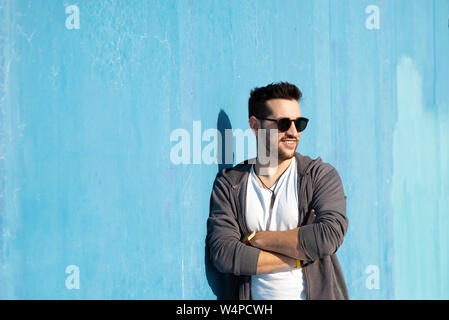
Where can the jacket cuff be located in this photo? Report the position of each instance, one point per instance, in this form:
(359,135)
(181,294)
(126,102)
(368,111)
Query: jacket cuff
(308,242)
(249,256)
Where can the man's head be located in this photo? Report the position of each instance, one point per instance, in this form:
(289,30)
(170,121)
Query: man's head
(274,102)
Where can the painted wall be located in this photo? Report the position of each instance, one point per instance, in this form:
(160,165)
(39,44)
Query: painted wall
(92,204)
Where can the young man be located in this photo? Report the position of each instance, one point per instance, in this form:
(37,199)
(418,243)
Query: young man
(275,227)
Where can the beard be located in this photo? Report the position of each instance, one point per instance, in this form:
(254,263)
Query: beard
(283,152)
(286,153)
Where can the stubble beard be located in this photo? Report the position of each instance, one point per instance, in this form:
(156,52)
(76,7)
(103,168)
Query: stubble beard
(286,154)
(282,153)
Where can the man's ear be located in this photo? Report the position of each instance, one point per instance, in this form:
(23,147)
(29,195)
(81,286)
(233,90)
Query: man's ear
(253,124)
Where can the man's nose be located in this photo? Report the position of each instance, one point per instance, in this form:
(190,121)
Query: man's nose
(292,130)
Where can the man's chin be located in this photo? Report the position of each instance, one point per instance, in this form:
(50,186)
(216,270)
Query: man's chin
(286,154)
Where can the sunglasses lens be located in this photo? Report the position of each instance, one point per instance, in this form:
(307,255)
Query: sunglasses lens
(301,124)
(284,124)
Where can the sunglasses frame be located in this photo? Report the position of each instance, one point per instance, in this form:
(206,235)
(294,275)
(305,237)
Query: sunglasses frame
(294,120)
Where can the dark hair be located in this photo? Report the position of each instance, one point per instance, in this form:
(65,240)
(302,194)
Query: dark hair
(280,90)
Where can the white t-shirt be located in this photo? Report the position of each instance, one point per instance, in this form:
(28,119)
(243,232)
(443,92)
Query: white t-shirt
(287,284)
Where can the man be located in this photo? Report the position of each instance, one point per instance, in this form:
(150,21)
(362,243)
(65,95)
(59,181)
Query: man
(274,228)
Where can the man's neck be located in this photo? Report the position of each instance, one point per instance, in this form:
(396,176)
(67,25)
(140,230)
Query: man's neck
(271,171)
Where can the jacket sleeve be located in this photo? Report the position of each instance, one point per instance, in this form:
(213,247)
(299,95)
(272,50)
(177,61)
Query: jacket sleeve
(325,235)
(227,252)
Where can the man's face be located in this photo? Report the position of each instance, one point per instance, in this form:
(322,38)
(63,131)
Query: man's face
(287,141)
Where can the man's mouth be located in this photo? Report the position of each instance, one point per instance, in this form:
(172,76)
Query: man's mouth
(289,142)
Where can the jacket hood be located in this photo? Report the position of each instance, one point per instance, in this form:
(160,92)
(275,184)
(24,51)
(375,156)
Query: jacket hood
(238,174)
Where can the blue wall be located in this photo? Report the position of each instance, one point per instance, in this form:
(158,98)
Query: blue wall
(86,177)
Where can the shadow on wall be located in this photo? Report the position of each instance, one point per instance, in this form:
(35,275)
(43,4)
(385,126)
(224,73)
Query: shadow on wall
(218,281)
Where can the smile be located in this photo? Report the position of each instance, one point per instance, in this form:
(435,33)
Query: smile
(289,142)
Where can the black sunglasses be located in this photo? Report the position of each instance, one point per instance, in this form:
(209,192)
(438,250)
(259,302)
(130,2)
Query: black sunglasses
(285,123)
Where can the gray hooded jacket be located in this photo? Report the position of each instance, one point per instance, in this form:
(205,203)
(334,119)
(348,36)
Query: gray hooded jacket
(319,188)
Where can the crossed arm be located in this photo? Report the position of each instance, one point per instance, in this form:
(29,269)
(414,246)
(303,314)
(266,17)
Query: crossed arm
(313,240)
(276,250)
(279,249)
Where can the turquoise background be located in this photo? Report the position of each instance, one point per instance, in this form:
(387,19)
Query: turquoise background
(86,116)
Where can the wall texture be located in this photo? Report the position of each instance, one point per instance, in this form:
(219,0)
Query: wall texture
(92,204)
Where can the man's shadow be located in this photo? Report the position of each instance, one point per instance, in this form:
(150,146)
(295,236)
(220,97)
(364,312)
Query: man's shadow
(218,281)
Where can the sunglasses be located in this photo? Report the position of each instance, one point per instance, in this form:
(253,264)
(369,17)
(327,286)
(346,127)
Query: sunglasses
(285,123)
